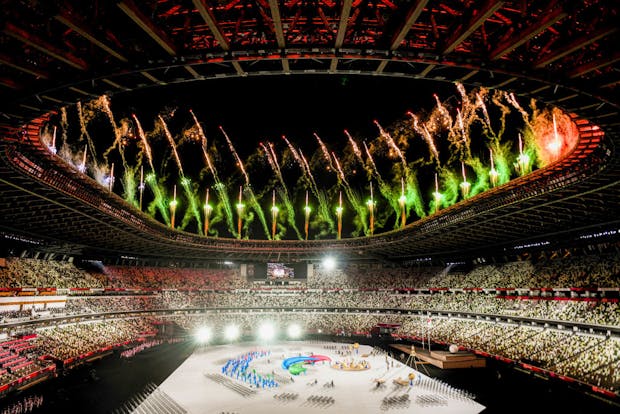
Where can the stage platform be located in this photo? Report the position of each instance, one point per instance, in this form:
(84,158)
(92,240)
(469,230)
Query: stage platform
(198,386)
(444,359)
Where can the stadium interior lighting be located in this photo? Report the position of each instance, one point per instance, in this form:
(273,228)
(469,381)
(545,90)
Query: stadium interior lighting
(266,331)
(231,332)
(294,331)
(329,263)
(203,335)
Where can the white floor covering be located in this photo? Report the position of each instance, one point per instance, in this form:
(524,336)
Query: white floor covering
(354,392)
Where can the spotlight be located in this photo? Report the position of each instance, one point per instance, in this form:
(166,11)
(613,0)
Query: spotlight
(266,331)
(232,332)
(294,331)
(203,335)
(329,263)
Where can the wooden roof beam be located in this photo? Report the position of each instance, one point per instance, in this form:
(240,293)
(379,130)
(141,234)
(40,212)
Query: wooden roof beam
(240,70)
(209,18)
(573,46)
(44,46)
(139,18)
(510,43)
(277,22)
(344,20)
(594,65)
(71,22)
(277,26)
(22,66)
(381,67)
(415,10)
(477,17)
(342,30)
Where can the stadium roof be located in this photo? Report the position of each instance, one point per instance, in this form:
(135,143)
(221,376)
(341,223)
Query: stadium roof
(561,53)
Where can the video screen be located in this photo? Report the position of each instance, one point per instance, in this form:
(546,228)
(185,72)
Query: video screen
(279,271)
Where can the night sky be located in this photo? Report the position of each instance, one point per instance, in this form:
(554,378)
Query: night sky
(255,109)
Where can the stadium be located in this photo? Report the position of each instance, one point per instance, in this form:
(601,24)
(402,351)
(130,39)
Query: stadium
(239,206)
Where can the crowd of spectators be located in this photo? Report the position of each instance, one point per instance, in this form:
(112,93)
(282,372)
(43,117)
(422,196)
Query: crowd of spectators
(594,312)
(372,276)
(70,341)
(45,273)
(332,297)
(108,303)
(360,286)
(600,270)
(172,278)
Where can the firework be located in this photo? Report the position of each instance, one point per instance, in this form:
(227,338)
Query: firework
(83,129)
(351,195)
(523,160)
(356,149)
(111,179)
(173,207)
(555,145)
(493,174)
(172,145)
(274,215)
(339,214)
(253,202)
(82,166)
(465,185)
(145,144)
(240,208)
(52,148)
(385,157)
(193,211)
(324,151)
(436,194)
(159,200)
(219,186)
(426,136)
(208,210)
(402,201)
(307,215)
(323,207)
(487,120)
(371,209)
(443,119)
(141,186)
(392,144)
(272,158)
(510,97)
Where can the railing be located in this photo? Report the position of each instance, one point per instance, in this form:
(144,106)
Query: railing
(55,320)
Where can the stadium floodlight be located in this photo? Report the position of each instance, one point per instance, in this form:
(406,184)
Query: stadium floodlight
(294,331)
(329,263)
(203,335)
(231,332)
(266,331)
